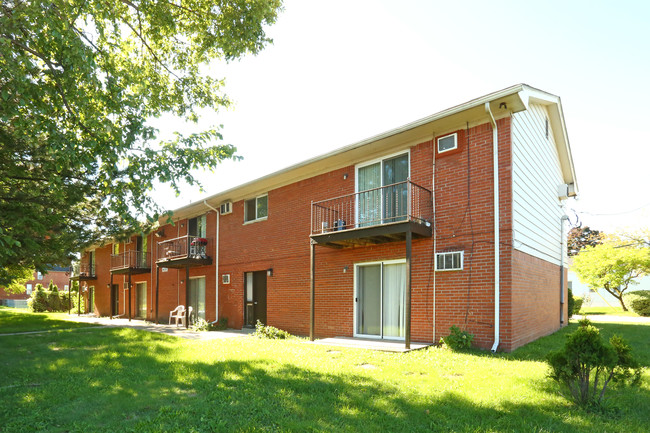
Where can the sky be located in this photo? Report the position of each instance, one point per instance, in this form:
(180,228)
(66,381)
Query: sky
(342,71)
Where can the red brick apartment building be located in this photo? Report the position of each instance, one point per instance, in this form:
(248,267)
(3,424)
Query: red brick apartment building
(399,236)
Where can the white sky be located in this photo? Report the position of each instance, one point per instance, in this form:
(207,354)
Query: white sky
(342,71)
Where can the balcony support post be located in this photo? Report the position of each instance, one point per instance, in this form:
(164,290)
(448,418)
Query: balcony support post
(70,293)
(187,297)
(129,295)
(312,290)
(112,297)
(407,325)
(79,299)
(157,290)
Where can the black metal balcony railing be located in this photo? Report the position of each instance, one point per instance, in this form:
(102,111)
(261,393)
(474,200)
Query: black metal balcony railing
(402,201)
(131,260)
(85,270)
(184,247)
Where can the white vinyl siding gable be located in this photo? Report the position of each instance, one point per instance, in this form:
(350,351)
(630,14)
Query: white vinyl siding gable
(536,175)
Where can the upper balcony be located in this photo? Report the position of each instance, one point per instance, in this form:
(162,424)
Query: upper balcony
(185,251)
(134,262)
(374,216)
(84,272)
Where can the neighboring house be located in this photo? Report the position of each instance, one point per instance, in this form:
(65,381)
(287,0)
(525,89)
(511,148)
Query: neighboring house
(392,237)
(59,275)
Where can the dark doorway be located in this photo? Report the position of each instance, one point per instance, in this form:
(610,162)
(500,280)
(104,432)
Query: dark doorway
(115,298)
(254,298)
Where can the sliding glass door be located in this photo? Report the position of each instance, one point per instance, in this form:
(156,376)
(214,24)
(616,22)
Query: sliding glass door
(380,300)
(383,193)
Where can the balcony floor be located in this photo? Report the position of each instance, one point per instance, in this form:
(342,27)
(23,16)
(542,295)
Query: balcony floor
(132,271)
(83,277)
(183,262)
(372,235)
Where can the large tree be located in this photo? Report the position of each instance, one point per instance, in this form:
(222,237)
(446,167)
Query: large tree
(612,267)
(80,82)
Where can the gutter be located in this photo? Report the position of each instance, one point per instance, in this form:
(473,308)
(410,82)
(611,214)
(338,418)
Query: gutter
(216,267)
(497,288)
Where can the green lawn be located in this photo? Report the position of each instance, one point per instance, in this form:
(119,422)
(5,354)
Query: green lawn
(109,379)
(610,311)
(20,320)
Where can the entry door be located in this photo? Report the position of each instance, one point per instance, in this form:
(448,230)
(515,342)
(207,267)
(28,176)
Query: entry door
(115,296)
(197,298)
(141,299)
(91,299)
(255,298)
(380,300)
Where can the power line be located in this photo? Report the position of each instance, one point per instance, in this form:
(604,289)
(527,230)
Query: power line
(613,214)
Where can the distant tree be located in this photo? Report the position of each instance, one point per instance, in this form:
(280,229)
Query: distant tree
(580,237)
(18,285)
(80,82)
(611,267)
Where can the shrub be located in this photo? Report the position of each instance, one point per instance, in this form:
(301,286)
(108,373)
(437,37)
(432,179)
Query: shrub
(52,301)
(577,304)
(586,365)
(639,302)
(262,331)
(221,325)
(37,303)
(457,339)
(571,302)
(200,324)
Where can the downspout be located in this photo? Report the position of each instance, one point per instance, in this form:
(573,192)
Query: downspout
(562,282)
(216,266)
(495,160)
(434,228)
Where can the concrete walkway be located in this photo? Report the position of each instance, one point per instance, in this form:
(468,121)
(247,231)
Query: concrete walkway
(174,330)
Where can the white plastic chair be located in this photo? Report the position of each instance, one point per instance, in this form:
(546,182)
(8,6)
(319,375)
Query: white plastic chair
(177,314)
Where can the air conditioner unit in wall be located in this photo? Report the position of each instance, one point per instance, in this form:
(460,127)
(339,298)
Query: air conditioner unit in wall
(225,208)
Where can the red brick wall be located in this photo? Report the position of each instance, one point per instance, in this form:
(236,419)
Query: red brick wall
(464,221)
(535,300)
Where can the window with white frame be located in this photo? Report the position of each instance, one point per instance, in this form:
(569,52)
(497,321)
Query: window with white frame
(28,289)
(447,143)
(39,276)
(256,208)
(450,261)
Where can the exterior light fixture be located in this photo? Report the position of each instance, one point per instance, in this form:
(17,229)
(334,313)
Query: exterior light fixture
(269,272)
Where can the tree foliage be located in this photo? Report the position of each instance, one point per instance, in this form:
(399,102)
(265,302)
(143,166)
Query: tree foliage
(580,237)
(80,82)
(18,284)
(612,267)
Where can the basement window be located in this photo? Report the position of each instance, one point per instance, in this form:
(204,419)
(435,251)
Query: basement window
(452,261)
(447,143)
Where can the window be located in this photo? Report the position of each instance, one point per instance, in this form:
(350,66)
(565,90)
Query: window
(256,208)
(29,289)
(39,276)
(448,142)
(449,261)
(116,249)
